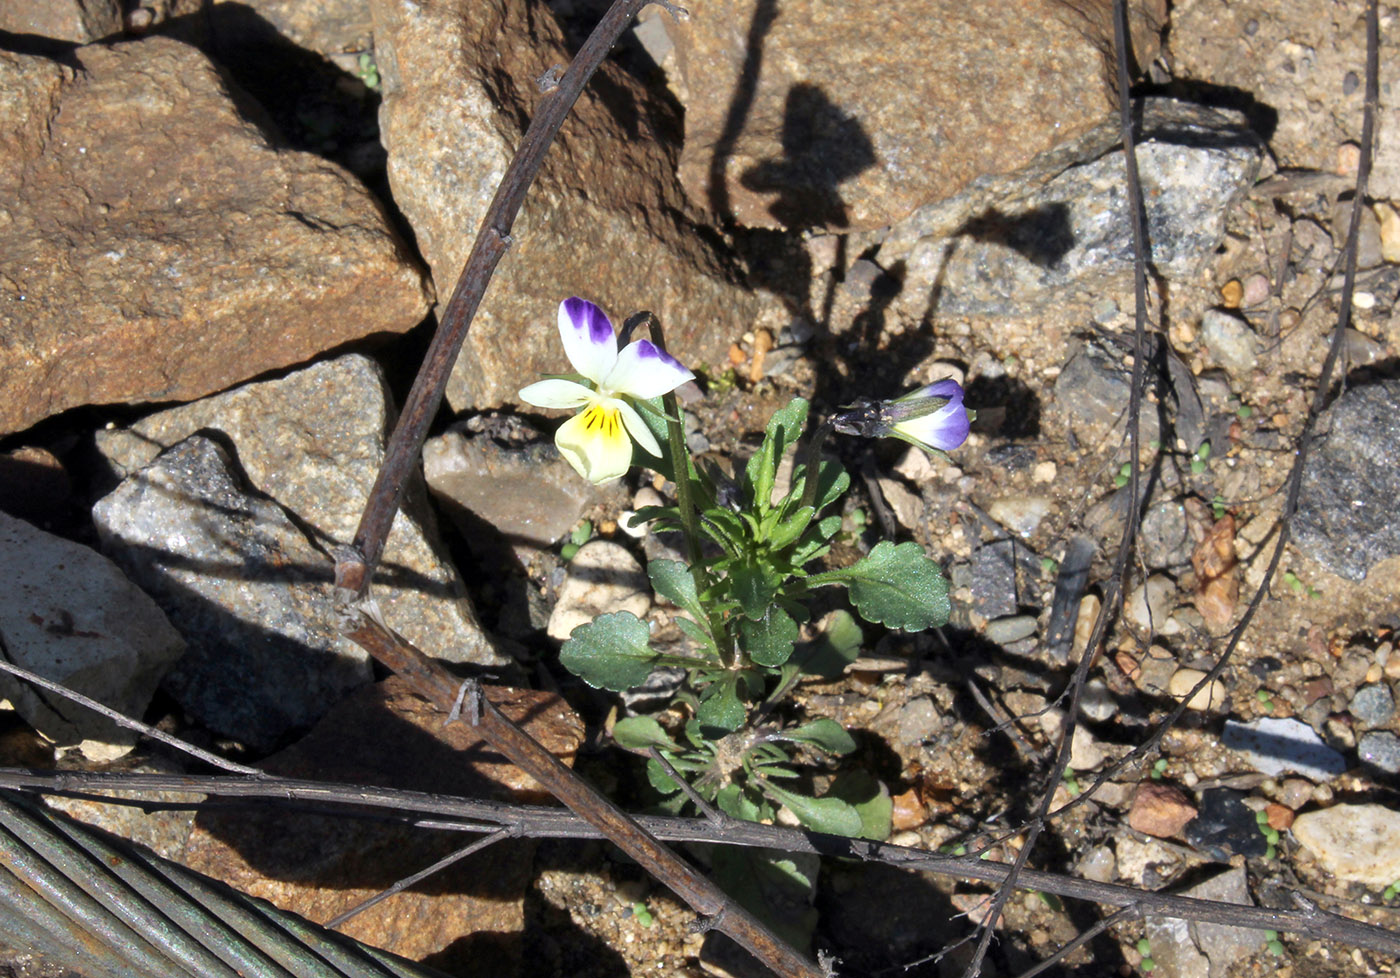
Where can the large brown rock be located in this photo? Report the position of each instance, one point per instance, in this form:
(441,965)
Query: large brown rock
(604,220)
(155,245)
(79,21)
(849,116)
(466,919)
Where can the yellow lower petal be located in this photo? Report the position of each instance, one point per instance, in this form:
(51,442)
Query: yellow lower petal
(595,443)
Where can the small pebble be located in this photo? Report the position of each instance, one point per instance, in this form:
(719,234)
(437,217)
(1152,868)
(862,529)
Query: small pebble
(1389,219)
(1294,793)
(1232,294)
(1363,300)
(1098,864)
(1020,514)
(1149,604)
(1097,702)
(1380,749)
(1348,159)
(1044,472)
(1004,631)
(1212,697)
(1256,289)
(1084,624)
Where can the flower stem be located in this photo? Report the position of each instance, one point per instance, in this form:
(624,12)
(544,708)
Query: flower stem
(812,463)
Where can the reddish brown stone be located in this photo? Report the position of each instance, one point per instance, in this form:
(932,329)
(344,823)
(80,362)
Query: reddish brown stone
(159,246)
(909,811)
(1160,810)
(318,866)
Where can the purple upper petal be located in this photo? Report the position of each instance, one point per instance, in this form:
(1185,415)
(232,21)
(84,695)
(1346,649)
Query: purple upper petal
(944,429)
(644,371)
(588,338)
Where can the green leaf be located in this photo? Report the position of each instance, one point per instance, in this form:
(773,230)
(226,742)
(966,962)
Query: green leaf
(834,649)
(642,733)
(782,431)
(720,708)
(822,814)
(832,482)
(769,640)
(896,586)
(610,652)
(870,799)
(734,801)
(673,581)
(659,779)
(753,585)
(695,633)
(823,733)
(814,542)
(787,531)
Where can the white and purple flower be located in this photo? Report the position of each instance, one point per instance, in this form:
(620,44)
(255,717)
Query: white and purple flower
(932,417)
(595,441)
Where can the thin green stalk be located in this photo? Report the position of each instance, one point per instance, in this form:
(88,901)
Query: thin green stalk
(812,464)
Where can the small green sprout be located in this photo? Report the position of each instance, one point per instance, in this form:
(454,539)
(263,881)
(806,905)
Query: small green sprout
(1198,459)
(1265,699)
(581,534)
(1144,947)
(1391,891)
(1159,768)
(1297,585)
(643,915)
(1125,472)
(1217,507)
(1071,781)
(368,71)
(1272,942)
(1244,412)
(1269,832)
(1049,566)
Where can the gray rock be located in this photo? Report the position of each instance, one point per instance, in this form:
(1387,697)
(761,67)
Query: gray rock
(1020,513)
(250,593)
(528,493)
(1060,234)
(1149,604)
(1230,341)
(604,220)
(1380,749)
(1373,705)
(857,134)
(1004,631)
(603,578)
(1166,536)
(1097,702)
(314,441)
(1200,949)
(993,579)
(1346,518)
(1092,392)
(1274,745)
(138,269)
(68,614)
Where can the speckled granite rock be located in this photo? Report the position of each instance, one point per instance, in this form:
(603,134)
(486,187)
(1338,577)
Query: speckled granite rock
(79,21)
(251,595)
(604,220)
(314,441)
(144,268)
(1346,516)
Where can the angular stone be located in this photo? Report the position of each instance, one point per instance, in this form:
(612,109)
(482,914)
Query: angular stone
(604,220)
(1275,745)
(142,269)
(1058,232)
(79,21)
(468,917)
(1160,810)
(784,128)
(314,441)
(252,596)
(1346,518)
(1200,949)
(1353,842)
(68,614)
(603,578)
(529,494)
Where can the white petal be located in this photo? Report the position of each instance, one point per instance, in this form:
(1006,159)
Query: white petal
(638,428)
(645,372)
(595,443)
(556,393)
(588,338)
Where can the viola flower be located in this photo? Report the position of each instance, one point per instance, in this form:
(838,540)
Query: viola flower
(595,441)
(932,417)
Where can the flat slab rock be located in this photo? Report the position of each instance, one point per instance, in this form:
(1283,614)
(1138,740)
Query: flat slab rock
(159,246)
(313,441)
(70,615)
(784,128)
(604,220)
(467,919)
